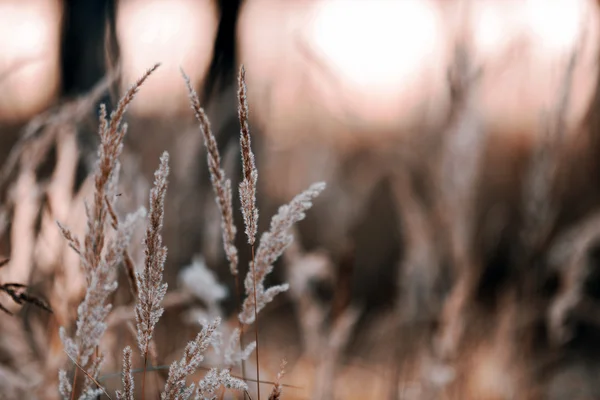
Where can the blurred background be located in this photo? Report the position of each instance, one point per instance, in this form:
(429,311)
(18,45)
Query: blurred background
(456,250)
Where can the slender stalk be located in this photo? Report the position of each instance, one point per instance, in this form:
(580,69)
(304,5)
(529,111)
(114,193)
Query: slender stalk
(204,368)
(89,376)
(144,376)
(238,294)
(74,381)
(255,326)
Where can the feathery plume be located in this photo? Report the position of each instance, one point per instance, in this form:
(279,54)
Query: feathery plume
(221,185)
(202,282)
(150,281)
(71,239)
(247,190)
(111,137)
(213,380)
(128,383)
(248,185)
(234,355)
(64,386)
(175,388)
(272,244)
(99,257)
(277,388)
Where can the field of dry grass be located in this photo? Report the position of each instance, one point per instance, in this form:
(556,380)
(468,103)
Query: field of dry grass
(452,254)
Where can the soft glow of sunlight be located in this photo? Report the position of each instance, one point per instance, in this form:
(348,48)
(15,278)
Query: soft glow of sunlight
(29,56)
(495,26)
(376,43)
(27,34)
(381,65)
(557,23)
(173,32)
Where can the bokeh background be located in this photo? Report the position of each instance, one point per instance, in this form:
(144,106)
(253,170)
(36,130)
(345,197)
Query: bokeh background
(455,252)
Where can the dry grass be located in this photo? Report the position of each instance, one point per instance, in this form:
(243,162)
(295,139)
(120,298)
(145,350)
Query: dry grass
(486,306)
(106,246)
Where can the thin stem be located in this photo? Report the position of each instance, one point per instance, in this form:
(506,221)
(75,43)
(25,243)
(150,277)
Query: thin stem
(74,379)
(144,375)
(238,294)
(156,376)
(256,325)
(166,367)
(89,376)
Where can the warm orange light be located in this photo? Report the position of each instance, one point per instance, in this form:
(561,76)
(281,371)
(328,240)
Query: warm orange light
(379,44)
(556,23)
(173,32)
(29,56)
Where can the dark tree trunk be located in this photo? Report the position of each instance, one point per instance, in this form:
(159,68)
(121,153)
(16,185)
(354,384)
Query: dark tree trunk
(88,45)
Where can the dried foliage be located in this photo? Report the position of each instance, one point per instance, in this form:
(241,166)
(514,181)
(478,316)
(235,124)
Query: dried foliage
(272,245)
(128,382)
(99,256)
(18,293)
(277,389)
(215,379)
(486,306)
(152,290)
(106,245)
(221,185)
(175,388)
(248,185)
